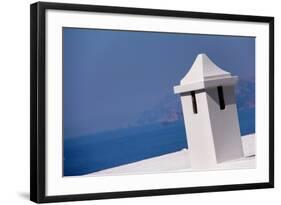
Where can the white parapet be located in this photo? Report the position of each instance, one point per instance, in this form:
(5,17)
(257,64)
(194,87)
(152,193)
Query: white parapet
(180,161)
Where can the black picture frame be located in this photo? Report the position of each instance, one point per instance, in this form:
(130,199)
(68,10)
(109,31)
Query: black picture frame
(38,101)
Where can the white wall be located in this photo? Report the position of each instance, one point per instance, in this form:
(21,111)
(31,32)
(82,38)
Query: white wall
(14,101)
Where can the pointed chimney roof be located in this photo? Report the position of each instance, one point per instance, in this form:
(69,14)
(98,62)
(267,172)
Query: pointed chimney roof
(204,73)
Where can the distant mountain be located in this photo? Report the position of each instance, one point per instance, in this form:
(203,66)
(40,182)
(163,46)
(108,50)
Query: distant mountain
(169,109)
(166,111)
(245,94)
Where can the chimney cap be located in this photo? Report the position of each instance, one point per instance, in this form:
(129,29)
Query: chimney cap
(204,73)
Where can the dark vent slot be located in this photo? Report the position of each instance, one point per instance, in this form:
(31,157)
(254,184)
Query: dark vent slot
(221,98)
(194,103)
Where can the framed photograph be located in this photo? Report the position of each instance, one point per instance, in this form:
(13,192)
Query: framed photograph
(129,102)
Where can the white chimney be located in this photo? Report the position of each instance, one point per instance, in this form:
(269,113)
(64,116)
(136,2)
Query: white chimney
(210,114)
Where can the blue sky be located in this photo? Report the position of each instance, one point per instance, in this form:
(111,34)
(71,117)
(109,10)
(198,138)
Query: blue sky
(112,77)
